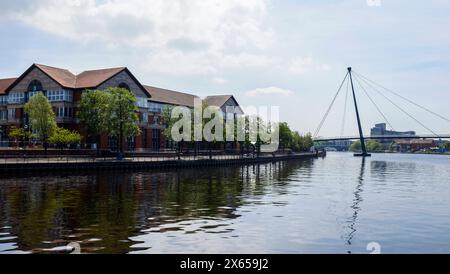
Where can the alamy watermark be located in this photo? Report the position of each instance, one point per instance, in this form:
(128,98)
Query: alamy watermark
(374,248)
(213,124)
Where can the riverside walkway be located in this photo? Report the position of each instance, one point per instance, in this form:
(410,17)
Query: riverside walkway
(54,163)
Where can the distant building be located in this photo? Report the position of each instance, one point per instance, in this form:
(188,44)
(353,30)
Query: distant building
(380,130)
(415,145)
(64,89)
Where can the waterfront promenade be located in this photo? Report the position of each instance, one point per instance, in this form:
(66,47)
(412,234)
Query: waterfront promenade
(53,163)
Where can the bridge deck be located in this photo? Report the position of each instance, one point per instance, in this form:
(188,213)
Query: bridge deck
(384,137)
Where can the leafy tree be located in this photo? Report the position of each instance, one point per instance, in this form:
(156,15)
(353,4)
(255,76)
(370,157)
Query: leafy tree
(286,136)
(374,146)
(308,141)
(121,118)
(392,147)
(42,117)
(447,145)
(19,134)
(301,143)
(92,111)
(371,146)
(168,122)
(63,137)
(356,146)
(16,134)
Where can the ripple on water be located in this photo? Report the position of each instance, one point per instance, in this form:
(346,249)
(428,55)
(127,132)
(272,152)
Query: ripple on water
(336,204)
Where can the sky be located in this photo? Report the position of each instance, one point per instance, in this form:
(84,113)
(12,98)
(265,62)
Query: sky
(286,53)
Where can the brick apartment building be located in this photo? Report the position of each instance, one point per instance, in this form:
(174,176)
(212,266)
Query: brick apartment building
(64,89)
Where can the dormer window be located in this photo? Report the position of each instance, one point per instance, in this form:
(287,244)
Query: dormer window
(124,86)
(34,86)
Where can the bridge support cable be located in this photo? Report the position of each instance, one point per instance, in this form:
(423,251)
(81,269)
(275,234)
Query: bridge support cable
(402,97)
(398,107)
(375,104)
(345,109)
(329,108)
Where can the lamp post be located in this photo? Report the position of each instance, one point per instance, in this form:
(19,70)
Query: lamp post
(25,138)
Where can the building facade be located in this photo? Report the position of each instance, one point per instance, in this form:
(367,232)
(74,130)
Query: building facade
(414,145)
(64,90)
(380,130)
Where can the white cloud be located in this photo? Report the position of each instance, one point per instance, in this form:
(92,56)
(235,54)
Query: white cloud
(269,91)
(177,36)
(303,65)
(219,80)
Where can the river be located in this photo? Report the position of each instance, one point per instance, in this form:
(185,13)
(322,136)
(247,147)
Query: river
(397,203)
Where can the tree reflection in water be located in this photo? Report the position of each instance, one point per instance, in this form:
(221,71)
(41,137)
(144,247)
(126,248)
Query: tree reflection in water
(102,211)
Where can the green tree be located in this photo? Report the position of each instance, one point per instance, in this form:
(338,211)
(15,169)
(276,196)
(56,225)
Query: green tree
(42,117)
(308,141)
(392,147)
(371,146)
(16,134)
(374,146)
(121,118)
(92,111)
(63,137)
(301,142)
(356,146)
(286,135)
(168,122)
(19,134)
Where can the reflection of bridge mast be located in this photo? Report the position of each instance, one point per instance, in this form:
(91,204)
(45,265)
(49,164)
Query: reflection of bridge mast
(355,206)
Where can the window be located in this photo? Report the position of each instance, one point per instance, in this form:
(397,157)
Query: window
(3,114)
(144,117)
(16,98)
(35,85)
(112,142)
(3,100)
(60,95)
(156,120)
(155,107)
(63,112)
(11,113)
(155,134)
(32,93)
(142,102)
(131,143)
(144,137)
(124,85)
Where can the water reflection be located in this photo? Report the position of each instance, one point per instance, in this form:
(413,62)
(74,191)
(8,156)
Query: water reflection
(104,211)
(334,205)
(356,204)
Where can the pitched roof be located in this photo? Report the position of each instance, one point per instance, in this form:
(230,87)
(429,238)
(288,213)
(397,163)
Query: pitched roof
(166,96)
(217,100)
(63,76)
(220,101)
(5,83)
(94,78)
(86,79)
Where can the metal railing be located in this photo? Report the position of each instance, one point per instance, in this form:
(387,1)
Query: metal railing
(51,159)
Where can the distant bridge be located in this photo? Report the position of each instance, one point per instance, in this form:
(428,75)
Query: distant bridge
(381,91)
(383,137)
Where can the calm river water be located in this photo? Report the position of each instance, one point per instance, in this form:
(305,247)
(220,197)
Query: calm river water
(338,204)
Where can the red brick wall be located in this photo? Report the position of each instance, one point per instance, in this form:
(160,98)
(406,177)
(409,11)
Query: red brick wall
(139,141)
